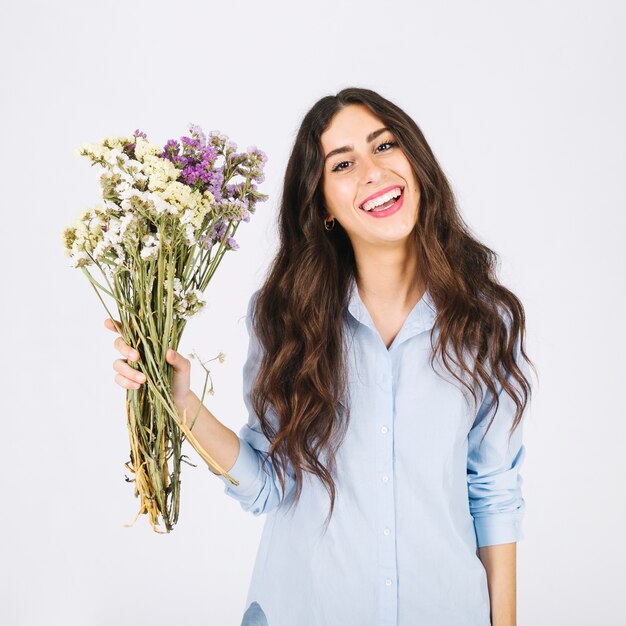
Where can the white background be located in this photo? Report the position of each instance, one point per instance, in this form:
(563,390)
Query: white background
(523,105)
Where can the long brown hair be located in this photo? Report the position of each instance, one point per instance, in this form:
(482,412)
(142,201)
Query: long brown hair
(300,307)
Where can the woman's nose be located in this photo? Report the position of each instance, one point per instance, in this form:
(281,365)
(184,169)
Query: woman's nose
(371,170)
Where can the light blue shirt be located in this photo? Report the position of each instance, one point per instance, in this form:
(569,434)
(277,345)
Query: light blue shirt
(416,496)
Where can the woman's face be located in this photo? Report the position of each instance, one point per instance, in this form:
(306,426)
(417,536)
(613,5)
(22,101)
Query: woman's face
(367,162)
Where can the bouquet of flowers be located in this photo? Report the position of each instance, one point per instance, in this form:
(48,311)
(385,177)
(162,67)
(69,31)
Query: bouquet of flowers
(167,217)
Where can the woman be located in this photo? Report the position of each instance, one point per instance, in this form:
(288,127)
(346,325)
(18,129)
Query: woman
(385,373)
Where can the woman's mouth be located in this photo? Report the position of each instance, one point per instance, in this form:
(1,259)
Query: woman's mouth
(385,205)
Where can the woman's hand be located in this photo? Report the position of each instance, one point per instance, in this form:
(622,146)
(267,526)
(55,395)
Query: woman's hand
(130,378)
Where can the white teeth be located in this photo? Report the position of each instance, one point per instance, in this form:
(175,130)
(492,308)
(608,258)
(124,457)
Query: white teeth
(372,204)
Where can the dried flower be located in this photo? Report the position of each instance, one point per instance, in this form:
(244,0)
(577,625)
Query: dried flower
(167,217)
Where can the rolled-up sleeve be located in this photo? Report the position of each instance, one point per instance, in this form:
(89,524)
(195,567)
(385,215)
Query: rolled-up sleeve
(493,470)
(259,489)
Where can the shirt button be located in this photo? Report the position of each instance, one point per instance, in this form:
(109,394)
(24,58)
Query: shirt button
(386,531)
(384,429)
(385,478)
(388,581)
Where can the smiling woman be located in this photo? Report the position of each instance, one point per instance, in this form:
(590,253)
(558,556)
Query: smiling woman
(386,382)
(377,153)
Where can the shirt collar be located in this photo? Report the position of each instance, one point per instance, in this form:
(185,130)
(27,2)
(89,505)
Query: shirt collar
(421,317)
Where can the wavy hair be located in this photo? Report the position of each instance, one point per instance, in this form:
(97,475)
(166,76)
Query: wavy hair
(301,305)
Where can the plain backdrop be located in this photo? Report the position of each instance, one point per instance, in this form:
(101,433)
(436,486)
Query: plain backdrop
(522,103)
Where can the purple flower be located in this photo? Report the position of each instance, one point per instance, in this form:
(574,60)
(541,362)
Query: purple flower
(217,178)
(217,234)
(231,244)
(219,230)
(198,133)
(190,145)
(217,139)
(139,133)
(234,191)
(170,150)
(189,175)
(205,241)
(209,155)
(257,155)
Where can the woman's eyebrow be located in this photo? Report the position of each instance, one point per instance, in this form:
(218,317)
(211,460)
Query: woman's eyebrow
(369,139)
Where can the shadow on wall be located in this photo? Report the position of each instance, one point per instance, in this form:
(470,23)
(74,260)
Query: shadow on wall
(254,616)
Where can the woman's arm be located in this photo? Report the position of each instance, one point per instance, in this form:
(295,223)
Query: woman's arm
(259,489)
(500,564)
(495,496)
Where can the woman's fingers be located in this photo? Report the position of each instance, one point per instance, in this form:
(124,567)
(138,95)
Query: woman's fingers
(113,325)
(119,365)
(177,360)
(122,381)
(126,376)
(119,342)
(130,353)
(129,377)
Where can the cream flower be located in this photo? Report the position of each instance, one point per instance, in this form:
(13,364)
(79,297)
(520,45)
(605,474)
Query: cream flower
(117,142)
(95,152)
(180,195)
(160,172)
(144,148)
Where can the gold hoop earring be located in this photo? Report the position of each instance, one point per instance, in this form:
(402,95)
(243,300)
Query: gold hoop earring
(331,222)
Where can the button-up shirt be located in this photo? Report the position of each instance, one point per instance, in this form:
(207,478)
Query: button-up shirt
(417,493)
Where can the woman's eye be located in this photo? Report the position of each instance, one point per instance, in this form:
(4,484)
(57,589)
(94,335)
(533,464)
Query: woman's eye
(387,143)
(338,167)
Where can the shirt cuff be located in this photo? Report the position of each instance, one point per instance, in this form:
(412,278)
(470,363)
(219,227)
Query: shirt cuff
(246,470)
(493,530)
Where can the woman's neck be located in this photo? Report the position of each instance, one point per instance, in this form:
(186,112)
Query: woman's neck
(389,277)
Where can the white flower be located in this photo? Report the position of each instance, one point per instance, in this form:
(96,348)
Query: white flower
(178,287)
(120,253)
(100,250)
(160,205)
(187,217)
(126,198)
(124,189)
(80,259)
(127,220)
(150,249)
(133,167)
(190,237)
(116,157)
